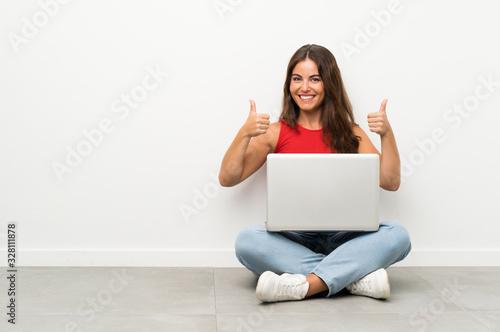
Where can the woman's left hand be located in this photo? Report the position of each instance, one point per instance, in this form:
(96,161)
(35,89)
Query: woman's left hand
(377,121)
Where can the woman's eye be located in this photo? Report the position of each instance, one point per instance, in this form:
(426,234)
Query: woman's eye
(316,79)
(296,79)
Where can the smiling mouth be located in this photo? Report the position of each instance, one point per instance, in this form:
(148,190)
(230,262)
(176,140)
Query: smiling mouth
(306,97)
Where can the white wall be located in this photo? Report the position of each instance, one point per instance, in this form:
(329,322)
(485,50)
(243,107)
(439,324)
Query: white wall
(121,204)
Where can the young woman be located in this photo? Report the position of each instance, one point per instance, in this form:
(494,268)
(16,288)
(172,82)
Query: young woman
(317,117)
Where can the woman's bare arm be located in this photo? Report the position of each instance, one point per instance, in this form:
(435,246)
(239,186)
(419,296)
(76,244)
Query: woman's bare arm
(390,165)
(248,151)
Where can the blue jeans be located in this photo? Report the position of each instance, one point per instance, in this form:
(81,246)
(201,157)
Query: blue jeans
(338,258)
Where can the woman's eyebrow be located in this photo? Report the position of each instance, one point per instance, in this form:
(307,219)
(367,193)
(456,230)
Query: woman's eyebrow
(309,76)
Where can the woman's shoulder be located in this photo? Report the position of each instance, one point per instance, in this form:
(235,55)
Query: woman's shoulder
(274,131)
(275,125)
(270,138)
(358,131)
(365,144)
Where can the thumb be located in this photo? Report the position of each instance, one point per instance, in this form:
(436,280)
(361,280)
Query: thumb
(382,106)
(253,108)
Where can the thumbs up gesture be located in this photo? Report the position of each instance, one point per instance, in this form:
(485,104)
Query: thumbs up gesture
(377,121)
(257,123)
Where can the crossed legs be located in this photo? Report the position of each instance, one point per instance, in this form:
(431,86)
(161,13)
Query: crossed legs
(330,261)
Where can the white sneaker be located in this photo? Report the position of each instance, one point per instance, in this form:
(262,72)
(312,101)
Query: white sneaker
(272,287)
(375,284)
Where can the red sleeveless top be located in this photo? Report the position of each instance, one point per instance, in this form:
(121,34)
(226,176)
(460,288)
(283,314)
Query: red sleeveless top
(301,140)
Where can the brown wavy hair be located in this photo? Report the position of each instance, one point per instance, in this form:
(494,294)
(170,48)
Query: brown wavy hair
(337,118)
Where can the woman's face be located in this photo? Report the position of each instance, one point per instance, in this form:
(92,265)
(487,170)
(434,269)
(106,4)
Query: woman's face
(306,86)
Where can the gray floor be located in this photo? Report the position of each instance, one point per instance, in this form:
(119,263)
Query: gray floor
(218,299)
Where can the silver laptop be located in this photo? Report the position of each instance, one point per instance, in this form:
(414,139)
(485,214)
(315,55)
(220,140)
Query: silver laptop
(322,192)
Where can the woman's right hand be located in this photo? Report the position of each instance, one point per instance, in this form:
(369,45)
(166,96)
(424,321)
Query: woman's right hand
(257,123)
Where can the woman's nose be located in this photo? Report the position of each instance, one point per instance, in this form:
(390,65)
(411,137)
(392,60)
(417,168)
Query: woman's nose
(305,86)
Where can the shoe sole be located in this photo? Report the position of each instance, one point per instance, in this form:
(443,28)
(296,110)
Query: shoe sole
(260,285)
